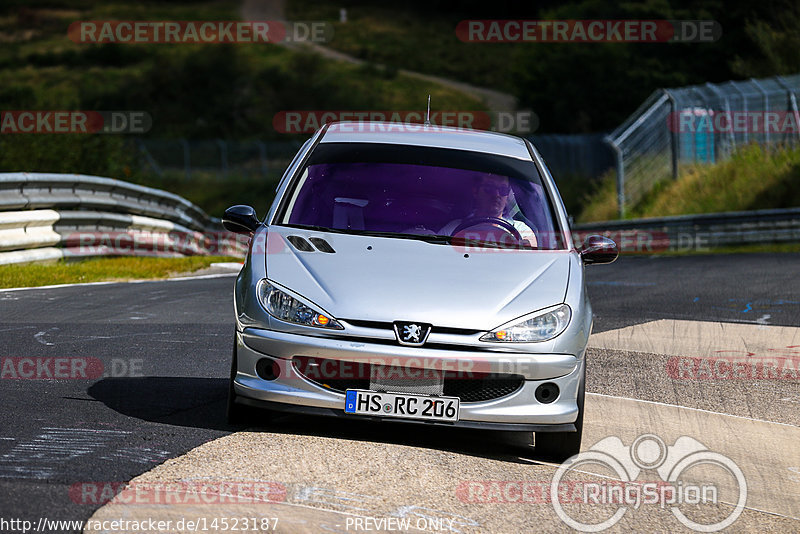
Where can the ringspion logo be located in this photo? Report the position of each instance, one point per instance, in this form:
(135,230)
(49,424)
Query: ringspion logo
(603,503)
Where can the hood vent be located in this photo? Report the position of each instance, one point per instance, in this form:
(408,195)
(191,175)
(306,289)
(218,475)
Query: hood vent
(322,245)
(300,244)
(304,246)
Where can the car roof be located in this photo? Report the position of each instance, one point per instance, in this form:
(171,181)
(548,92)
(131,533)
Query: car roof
(429,136)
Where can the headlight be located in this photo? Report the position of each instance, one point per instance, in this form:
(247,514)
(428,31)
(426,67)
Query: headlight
(544,325)
(287,308)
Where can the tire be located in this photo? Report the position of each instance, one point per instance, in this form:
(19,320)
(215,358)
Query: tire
(559,446)
(235,413)
(238,414)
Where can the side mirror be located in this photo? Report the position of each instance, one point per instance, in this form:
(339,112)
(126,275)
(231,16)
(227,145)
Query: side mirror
(240,219)
(599,249)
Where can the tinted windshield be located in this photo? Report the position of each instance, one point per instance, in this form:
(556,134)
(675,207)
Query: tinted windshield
(404,191)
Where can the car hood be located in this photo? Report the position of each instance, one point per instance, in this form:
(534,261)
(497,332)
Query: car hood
(389,279)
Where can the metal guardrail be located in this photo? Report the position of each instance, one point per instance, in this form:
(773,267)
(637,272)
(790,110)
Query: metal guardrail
(700,124)
(50,216)
(699,232)
(24,191)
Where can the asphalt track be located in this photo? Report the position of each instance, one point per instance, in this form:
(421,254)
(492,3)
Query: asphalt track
(165,348)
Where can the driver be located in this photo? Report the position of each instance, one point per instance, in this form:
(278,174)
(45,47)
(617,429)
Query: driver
(490,197)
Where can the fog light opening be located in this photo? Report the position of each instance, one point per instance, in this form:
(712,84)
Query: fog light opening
(267,369)
(547,393)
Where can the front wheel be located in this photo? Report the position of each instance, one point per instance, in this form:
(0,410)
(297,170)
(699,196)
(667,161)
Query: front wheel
(239,414)
(235,413)
(559,446)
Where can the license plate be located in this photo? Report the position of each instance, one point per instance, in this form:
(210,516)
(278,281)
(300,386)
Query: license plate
(361,402)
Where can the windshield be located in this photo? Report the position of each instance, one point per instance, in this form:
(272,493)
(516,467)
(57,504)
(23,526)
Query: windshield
(427,193)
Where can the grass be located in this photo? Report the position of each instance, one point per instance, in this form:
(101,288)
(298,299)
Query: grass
(402,37)
(102,270)
(600,203)
(191,91)
(753,178)
(215,194)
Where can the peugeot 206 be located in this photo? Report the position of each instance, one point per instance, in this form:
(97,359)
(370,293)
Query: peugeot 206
(418,274)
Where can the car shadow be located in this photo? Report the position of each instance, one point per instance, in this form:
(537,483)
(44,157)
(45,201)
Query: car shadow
(179,401)
(200,403)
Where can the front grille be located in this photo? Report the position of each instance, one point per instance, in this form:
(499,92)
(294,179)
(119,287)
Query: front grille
(483,387)
(402,380)
(340,376)
(380,325)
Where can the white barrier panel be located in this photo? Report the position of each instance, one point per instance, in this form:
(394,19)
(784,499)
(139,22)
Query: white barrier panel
(72,215)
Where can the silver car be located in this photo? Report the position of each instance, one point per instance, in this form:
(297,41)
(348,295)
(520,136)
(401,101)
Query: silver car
(418,274)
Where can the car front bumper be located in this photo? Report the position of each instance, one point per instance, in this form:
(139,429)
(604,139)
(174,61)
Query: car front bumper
(519,410)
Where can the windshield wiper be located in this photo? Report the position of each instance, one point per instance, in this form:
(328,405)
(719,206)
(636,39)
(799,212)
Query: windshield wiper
(428,238)
(480,243)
